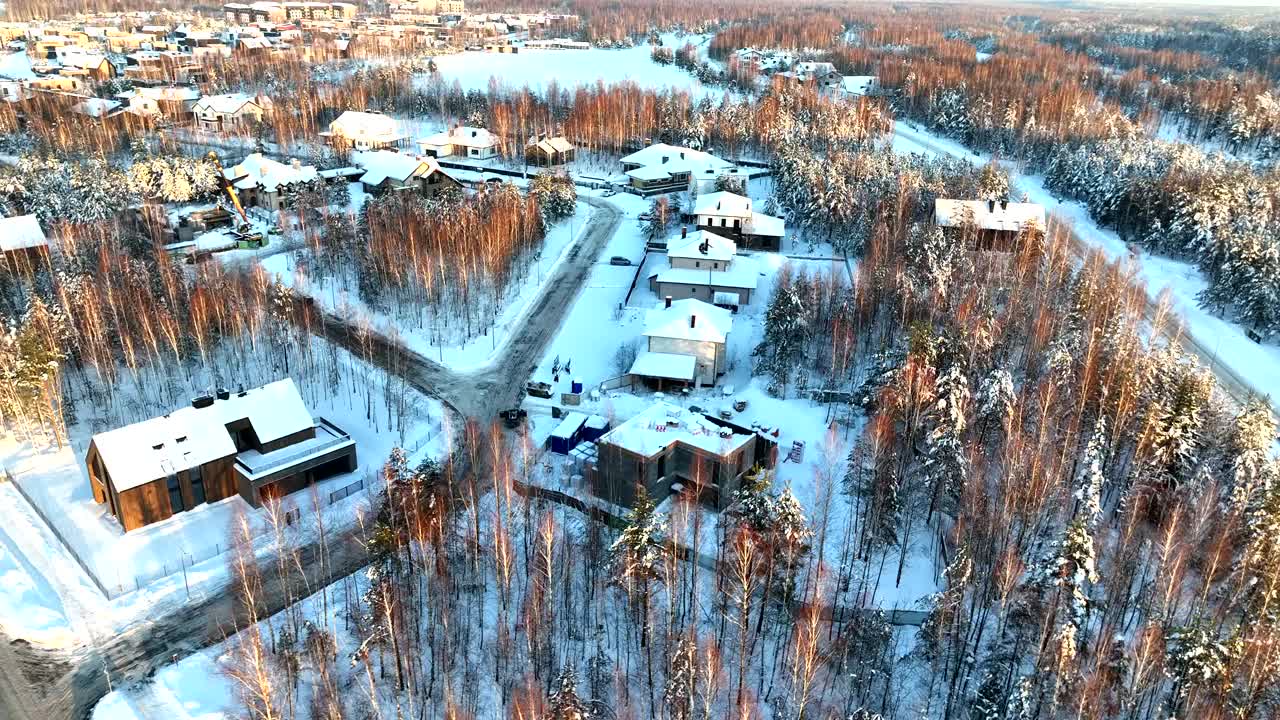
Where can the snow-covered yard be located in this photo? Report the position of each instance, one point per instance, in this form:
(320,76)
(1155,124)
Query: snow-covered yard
(190,544)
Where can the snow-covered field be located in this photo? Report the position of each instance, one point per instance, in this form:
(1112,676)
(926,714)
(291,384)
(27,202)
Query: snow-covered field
(537,68)
(440,344)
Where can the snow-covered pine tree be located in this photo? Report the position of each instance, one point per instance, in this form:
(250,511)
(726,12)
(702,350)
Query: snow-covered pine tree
(564,702)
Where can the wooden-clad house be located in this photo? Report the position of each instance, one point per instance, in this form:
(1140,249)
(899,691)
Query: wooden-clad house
(259,444)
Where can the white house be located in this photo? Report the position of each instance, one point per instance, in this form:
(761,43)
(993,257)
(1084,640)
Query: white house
(21,232)
(857,85)
(667,168)
(704,266)
(471,142)
(365,131)
(234,111)
(734,216)
(996,221)
(686,342)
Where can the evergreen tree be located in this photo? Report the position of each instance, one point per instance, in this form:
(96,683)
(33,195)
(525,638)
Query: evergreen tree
(564,703)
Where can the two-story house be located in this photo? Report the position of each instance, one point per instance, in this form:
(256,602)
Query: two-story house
(230,112)
(668,168)
(471,142)
(685,343)
(734,216)
(260,444)
(387,171)
(703,265)
(365,131)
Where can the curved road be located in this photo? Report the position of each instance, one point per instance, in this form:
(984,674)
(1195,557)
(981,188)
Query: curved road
(40,683)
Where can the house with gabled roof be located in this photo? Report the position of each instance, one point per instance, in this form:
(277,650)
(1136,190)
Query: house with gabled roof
(259,444)
(547,151)
(994,224)
(735,216)
(685,343)
(705,266)
(229,112)
(365,131)
(471,142)
(265,183)
(386,171)
(669,168)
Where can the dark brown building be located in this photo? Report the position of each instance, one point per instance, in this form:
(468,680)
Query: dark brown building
(667,445)
(259,444)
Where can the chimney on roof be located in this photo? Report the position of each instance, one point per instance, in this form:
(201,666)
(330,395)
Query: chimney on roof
(717,206)
(681,154)
(991,206)
(665,159)
(668,301)
(223,394)
(684,231)
(693,321)
(1004,204)
(295,163)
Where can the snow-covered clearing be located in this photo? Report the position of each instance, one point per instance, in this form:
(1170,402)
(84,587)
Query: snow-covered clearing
(1178,282)
(537,68)
(447,345)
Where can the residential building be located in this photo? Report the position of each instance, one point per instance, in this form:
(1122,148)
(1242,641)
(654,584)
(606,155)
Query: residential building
(266,183)
(546,151)
(260,444)
(469,142)
(734,216)
(705,266)
(229,113)
(685,343)
(857,85)
(392,171)
(668,448)
(668,168)
(22,243)
(994,224)
(365,131)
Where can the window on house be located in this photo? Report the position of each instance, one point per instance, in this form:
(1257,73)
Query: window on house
(197,485)
(697,263)
(662,466)
(724,222)
(175,494)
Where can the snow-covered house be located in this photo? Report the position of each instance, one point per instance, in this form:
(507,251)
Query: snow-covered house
(260,444)
(365,131)
(705,266)
(173,101)
(734,216)
(823,74)
(548,151)
(856,85)
(78,62)
(22,242)
(264,182)
(996,223)
(667,448)
(392,171)
(100,108)
(234,111)
(669,168)
(685,343)
(472,142)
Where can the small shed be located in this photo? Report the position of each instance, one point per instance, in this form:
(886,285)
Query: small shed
(568,433)
(595,426)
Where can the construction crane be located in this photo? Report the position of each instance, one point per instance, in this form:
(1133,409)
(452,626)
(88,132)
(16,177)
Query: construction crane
(229,189)
(245,237)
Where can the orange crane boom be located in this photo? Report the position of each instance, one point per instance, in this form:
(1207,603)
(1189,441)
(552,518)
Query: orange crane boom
(227,187)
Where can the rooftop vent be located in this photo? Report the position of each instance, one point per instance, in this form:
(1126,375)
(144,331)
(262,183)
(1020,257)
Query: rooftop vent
(224,394)
(668,301)
(203,401)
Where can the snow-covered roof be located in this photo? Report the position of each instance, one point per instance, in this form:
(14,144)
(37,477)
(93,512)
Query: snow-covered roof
(988,215)
(374,127)
(97,107)
(742,273)
(146,451)
(723,203)
(668,366)
(761,224)
(702,245)
(227,104)
(663,424)
(689,320)
(569,425)
(21,232)
(553,144)
(400,167)
(464,136)
(662,159)
(169,92)
(859,84)
(258,170)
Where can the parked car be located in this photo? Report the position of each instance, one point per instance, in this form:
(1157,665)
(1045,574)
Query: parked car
(619,260)
(609,193)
